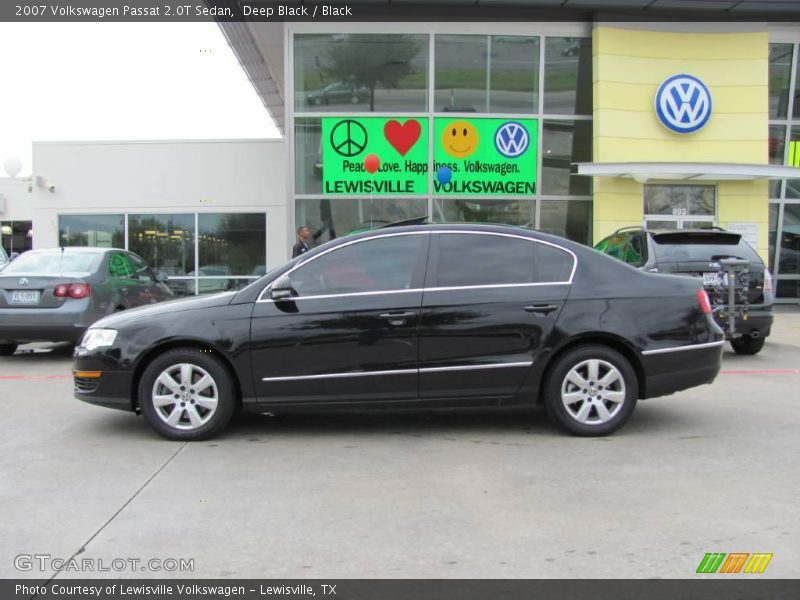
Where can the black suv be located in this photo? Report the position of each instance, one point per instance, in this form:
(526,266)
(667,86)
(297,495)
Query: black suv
(743,310)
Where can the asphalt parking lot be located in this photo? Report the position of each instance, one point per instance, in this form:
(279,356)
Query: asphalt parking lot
(452,494)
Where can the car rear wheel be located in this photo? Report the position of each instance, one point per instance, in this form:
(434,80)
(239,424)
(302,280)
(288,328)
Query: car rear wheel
(7,349)
(748,345)
(186,394)
(591,391)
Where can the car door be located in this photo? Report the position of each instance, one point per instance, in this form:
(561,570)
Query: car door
(350,331)
(489,306)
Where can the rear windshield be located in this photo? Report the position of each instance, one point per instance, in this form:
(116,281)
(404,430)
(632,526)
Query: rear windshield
(54,263)
(701,245)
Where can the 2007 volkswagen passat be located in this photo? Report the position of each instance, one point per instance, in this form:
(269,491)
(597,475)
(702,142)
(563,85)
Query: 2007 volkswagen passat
(423,316)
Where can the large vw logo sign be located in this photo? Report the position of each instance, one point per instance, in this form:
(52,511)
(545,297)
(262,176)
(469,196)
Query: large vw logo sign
(511,139)
(683,103)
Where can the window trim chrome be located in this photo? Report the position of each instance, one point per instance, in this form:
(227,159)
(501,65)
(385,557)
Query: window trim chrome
(261,298)
(683,348)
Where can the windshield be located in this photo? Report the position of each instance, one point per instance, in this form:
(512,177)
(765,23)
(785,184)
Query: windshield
(53,263)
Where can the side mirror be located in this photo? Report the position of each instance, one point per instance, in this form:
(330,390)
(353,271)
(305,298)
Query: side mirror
(281,289)
(161,277)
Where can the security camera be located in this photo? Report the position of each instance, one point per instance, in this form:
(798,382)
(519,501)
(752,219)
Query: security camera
(51,188)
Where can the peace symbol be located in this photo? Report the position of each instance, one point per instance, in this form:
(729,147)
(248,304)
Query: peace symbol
(348,138)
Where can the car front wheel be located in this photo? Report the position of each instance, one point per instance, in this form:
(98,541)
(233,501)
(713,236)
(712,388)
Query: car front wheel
(591,391)
(186,394)
(748,345)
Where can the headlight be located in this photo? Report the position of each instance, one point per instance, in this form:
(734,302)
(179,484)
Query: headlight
(98,338)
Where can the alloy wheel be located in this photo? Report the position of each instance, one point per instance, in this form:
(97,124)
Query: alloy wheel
(185,396)
(593,392)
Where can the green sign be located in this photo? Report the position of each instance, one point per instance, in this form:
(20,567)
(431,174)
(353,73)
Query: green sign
(485,157)
(374,155)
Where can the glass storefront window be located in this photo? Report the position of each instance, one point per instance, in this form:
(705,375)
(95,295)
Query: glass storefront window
(102,231)
(479,210)
(331,218)
(789,258)
(361,72)
(774,210)
(568,76)
(308,156)
(165,242)
(231,244)
(780,64)
(793,185)
(571,219)
(479,73)
(680,200)
(563,143)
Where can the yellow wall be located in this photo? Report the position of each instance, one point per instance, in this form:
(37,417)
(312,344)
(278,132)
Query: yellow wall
(628,67)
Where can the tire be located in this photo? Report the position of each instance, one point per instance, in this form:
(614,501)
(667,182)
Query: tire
(748,345)
(7,349)
(191,413)
(592,410)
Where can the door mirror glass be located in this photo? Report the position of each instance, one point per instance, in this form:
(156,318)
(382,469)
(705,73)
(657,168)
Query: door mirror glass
(282,289)
(161,277)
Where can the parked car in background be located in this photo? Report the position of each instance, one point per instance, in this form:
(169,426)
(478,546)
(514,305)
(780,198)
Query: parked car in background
(55,294)
(702,254)
(417,316)
(338,93)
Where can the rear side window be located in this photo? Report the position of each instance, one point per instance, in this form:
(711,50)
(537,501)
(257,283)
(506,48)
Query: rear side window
(119,266)
(699,246)
(470,259)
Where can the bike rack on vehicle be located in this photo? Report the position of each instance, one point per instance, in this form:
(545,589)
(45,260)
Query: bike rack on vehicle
(736,271)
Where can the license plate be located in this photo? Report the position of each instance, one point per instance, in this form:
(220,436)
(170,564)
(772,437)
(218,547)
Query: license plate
(25,297)
(712,279)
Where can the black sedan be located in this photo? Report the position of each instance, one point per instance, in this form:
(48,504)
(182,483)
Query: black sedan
(425,316)
(55,294)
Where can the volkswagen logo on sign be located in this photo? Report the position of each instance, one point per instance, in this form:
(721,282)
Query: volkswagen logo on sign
(683,103)
(23,282)
(511,139)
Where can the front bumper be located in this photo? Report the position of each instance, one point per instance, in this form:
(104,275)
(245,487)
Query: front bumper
(113,389)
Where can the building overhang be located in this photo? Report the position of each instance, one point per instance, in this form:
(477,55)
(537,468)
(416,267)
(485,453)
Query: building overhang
(686,171)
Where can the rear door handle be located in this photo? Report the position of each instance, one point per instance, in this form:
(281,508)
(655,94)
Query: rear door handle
(541,309)
(397,318)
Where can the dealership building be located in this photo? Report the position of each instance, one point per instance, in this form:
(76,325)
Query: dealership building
(576,128)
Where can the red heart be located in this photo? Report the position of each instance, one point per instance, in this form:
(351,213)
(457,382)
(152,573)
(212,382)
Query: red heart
(402,137)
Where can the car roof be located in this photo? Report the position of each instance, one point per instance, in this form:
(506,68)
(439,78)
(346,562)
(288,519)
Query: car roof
(78,250)
(466,228)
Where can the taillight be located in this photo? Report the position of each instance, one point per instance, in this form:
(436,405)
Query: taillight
(72,290)
(705,303)
(768,286)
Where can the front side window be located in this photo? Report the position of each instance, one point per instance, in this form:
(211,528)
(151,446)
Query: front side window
(382,264)
(472,260)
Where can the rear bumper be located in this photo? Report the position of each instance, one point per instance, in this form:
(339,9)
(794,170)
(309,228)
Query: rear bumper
(44,324)
(674,369)
(758,322)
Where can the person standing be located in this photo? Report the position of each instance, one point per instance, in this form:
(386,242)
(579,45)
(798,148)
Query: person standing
(301,247)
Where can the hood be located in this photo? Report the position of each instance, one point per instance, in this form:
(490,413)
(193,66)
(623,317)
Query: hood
(125,317)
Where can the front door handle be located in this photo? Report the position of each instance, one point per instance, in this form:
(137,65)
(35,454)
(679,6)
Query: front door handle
(541,309)
(397,318)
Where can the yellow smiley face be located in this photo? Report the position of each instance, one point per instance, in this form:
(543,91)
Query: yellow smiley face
(460,139)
